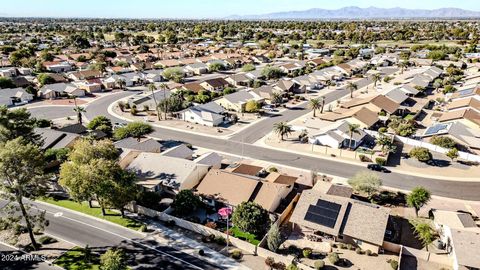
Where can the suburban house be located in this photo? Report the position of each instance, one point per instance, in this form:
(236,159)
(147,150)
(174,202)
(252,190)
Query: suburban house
(56,139)
(57,66)
(8,72)
(154,75)
(468,117)
(237,101)
(215,85)
(157,172)
(81,130)
(90,86)
(337,136)
(196,68)
(232,189)
(84,75)
(267,91)
(14,96)
(238,80)
(133,78)
(142,145)
(179,151)
(211,159)
(460,236)
(210,114)
(343,219)
(147,99)
(459,132)
(315,62)
(60,89)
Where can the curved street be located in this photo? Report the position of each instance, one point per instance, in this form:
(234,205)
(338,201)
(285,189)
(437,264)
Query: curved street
(452,189)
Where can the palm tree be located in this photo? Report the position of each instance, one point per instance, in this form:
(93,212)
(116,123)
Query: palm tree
(282,129)
(121,83)
(323,105)
(152,88)
(164,88)
(352,87)
(353,128)
(402,65)
(79,110)
(314,104)
(276,98)
(376,78)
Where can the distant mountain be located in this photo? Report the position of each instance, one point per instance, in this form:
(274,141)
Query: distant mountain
(363,13)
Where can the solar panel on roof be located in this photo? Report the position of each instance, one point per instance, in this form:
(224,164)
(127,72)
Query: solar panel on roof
(323,213)
(435,129)
(466,92)
(320,220)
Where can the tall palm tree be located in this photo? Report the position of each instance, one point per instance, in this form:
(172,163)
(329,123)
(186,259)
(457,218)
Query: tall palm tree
(79,110)
(152,88)
(402,66)
(314,104)
(164,89)
(352,87)
(282,129)
(323,105)
(376,78)
(353,129)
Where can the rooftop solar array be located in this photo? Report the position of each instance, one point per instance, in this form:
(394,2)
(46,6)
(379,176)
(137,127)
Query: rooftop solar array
(435,129)
(323,213)
(466,92)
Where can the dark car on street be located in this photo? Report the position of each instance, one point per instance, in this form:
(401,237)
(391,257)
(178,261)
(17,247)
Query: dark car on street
(378,168)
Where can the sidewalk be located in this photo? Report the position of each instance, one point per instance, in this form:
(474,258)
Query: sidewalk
(166,236)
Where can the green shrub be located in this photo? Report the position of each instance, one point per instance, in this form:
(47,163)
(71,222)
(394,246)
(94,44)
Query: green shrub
(143,228)
(273,169)
(307,252)
(236,254)
(342,246)
(220,240)
(421,154)
(382,130)
(394,264)
(319,264)
(333,258)
(292,267)
(380,161)
(349,246)
(358,250)
(45,240)
(364,158)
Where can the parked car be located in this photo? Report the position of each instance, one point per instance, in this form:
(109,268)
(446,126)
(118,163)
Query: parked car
(378,168)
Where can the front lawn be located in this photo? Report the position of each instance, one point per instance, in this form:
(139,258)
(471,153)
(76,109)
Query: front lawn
(74,259)
(111,216)
(237,233)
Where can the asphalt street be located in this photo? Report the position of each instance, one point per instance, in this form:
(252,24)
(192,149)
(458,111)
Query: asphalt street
(453,189)
(52,112)
(240,144)
(143,253)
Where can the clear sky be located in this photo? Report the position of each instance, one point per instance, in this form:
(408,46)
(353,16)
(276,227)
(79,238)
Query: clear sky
(199,8)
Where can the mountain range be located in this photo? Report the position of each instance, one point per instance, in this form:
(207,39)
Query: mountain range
(362,13)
